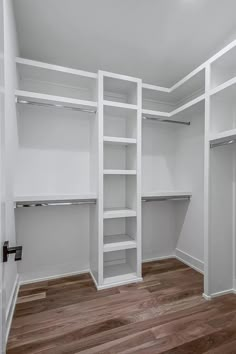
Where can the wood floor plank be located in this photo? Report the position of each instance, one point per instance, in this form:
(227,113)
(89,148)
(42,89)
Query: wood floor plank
(165,313)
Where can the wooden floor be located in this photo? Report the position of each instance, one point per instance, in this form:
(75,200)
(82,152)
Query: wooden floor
(164,314)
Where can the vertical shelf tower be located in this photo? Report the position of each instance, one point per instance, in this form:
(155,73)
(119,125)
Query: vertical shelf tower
(119,180)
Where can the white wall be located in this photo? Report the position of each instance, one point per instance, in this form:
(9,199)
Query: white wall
(10,41)
(53,156)
(55,240)
(221,219)
(189,175)
(172,160)
(158,230)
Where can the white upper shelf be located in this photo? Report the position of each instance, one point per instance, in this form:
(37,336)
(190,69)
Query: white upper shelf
(228,87)
(33,64)
(59,197)
(189,87)
(120,105)
(223,136)
(185,107)
(57,80)
(55,100)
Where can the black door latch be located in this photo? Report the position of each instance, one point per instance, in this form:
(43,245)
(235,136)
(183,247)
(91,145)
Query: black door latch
(9,250)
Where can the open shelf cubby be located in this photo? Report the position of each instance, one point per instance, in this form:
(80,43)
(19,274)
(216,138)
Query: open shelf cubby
(120,157)
(223,68)
(55,80)
(120,90)
(120,122)
(120,266)
(167,100)
(119,234)
(223,108)
(120,191)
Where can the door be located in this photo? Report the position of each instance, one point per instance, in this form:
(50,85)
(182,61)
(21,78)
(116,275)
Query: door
(2,184)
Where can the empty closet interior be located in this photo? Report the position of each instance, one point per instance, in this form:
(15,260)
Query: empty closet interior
(111,171)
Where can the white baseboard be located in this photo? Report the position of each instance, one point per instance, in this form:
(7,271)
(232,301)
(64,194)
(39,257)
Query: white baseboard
(113,285)
(220,293)
(189,260)
(94,279)
(11,306)
(171,256)
(51,277)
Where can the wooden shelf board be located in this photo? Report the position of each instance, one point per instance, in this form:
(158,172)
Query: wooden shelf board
(118,213)
(121,141)
(118,242)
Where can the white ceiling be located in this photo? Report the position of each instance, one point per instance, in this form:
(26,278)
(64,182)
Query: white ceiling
(159,41)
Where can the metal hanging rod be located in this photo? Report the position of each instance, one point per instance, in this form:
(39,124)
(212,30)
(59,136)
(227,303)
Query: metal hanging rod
(33,103)
(59,203)
(229,142)
(164,120)
(161,199)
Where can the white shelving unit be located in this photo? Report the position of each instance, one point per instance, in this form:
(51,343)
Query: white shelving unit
(119,180)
